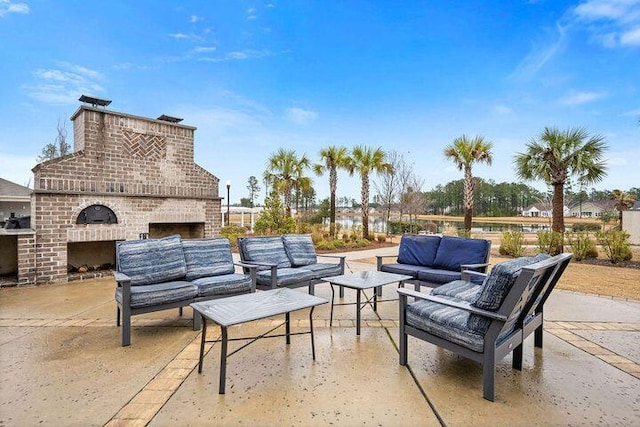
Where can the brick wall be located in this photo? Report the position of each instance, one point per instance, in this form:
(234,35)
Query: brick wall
(142,169)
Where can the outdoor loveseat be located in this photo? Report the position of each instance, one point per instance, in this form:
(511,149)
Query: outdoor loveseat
(159,274)
(434,260)
(288,261)
(484,322)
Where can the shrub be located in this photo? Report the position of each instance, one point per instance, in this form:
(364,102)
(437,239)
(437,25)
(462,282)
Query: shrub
(615,244)
(549,242)
(397,227)
(381,238)
(581,245)
(512,244)
(464,233)
(232,232)
(585,227)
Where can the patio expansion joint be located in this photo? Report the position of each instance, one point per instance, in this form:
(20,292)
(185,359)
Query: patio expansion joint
(564,331)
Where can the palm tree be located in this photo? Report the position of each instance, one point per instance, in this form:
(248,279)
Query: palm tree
(332,158)
(365,160)
(622,201)
(284,172)
(464,152)
(558,155)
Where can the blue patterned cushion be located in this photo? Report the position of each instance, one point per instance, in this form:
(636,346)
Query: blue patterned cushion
(207,257)
(300,249)
(455,251)
(225,284)
(446,322)
(286,276)
(499,281)
(268,250)
(321,270)
(460,289)
(151,260)
(159,293)
(418,250)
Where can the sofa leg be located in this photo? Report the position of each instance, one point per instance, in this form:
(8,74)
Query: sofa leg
(180,311)
(197,321)
(118,317)
(402,343)
(517,358)
(489,375)
(537,337)
(312,289)
(126,326)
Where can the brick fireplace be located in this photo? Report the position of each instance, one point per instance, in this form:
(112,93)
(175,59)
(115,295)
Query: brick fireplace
(128,177)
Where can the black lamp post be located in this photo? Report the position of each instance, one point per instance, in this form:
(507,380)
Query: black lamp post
(228,208)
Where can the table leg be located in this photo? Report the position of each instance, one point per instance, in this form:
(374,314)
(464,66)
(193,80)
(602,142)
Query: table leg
(341,291)
(313,347)
(333,297)
(358,312)
(223,360)
(202,341)
(375,300)
(288,327)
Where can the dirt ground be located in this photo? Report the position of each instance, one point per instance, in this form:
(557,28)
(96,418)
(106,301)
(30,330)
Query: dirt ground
(608,280)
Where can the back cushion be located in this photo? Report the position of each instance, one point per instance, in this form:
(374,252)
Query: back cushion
(268,250)
(455,251)
(499,281)
(418,250)
(151,260)
(300,249)
(207,257)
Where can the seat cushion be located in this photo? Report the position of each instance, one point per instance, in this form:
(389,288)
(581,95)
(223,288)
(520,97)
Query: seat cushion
(151,261)
(455,251)
(408,269)
(321,270)
(438,277)
(300,249)
(285,276)
(268,250)
(207,257)
(225,284)
(159,293)
(459,289)
(418,250)
(446,322)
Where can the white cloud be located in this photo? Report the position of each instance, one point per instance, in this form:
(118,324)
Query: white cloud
(502,110)
(616,161)
(540,55)
(7,7)
(300,116)
(64,85)
(251,14)
(612,23)
(179,36)
(195,18)
(204,49)
(579,98)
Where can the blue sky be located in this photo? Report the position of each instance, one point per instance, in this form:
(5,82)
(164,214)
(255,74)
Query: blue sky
(254,76)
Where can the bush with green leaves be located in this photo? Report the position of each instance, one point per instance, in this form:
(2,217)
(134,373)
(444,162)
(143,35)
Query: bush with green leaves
(585,227)
(232,232)
(512,244)
(615,244)
(581,245)
(273,219)
(464,233)
(397,227)
(549,242)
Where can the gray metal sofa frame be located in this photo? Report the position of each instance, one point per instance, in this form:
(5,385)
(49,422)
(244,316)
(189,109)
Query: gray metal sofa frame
(520,314)
(124,288)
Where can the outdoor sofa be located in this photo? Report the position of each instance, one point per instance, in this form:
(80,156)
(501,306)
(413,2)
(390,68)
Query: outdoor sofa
(484,322)
(159,274)
(434,260)
(289,260)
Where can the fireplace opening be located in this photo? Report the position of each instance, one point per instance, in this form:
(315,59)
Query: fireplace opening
(90,259)
(186,230)
(8,260)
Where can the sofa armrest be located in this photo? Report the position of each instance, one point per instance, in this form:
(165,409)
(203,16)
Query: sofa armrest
(253,271)
(379,259)
(462,305)
(124,282)
(331,256)
(479,267)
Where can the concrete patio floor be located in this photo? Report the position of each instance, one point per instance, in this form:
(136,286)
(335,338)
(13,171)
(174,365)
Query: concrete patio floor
(61,364)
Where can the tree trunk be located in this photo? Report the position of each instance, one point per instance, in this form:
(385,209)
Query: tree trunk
(333,184)
(468,216)
(365,206)
(468,198)
(557,206)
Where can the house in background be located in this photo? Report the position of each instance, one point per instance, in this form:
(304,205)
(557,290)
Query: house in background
(15,201)
(542,210)
(591,208)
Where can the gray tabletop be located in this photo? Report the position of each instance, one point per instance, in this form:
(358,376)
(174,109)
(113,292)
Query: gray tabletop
(259,305)
(366,279)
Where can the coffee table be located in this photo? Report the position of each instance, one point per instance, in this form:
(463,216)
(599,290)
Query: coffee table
(248,307)
(360,281)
